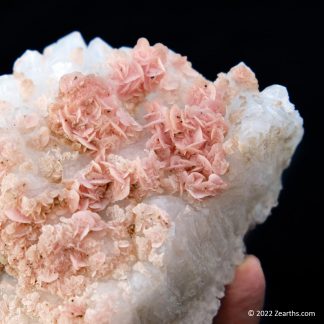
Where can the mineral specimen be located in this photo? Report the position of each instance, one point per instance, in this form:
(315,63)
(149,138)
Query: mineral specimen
(128,181)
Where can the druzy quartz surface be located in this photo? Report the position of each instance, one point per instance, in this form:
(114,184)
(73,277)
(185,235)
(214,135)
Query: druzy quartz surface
(128,181)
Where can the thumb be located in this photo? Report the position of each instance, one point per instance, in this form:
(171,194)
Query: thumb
(245,293)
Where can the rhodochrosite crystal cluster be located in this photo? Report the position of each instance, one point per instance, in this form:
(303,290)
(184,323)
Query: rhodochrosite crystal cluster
(128,181)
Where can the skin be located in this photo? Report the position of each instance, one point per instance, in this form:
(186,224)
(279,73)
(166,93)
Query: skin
(245,293)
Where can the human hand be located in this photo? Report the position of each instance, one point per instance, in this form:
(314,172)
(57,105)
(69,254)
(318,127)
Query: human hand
(246,292)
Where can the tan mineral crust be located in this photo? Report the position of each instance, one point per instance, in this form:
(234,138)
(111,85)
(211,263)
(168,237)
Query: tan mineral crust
(128,182)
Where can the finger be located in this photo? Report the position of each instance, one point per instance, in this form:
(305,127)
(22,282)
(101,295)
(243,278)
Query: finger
(246,292)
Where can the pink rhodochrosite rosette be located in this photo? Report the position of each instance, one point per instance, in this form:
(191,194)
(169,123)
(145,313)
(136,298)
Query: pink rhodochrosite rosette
(128,181)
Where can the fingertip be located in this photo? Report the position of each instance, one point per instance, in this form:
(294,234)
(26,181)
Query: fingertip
(251,259)
(251,271)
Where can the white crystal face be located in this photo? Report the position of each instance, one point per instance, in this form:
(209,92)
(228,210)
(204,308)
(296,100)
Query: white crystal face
(128,181)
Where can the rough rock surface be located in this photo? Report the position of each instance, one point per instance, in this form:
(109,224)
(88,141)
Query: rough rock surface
(128,181)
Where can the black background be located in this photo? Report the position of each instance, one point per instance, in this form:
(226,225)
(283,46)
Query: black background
(281,43)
